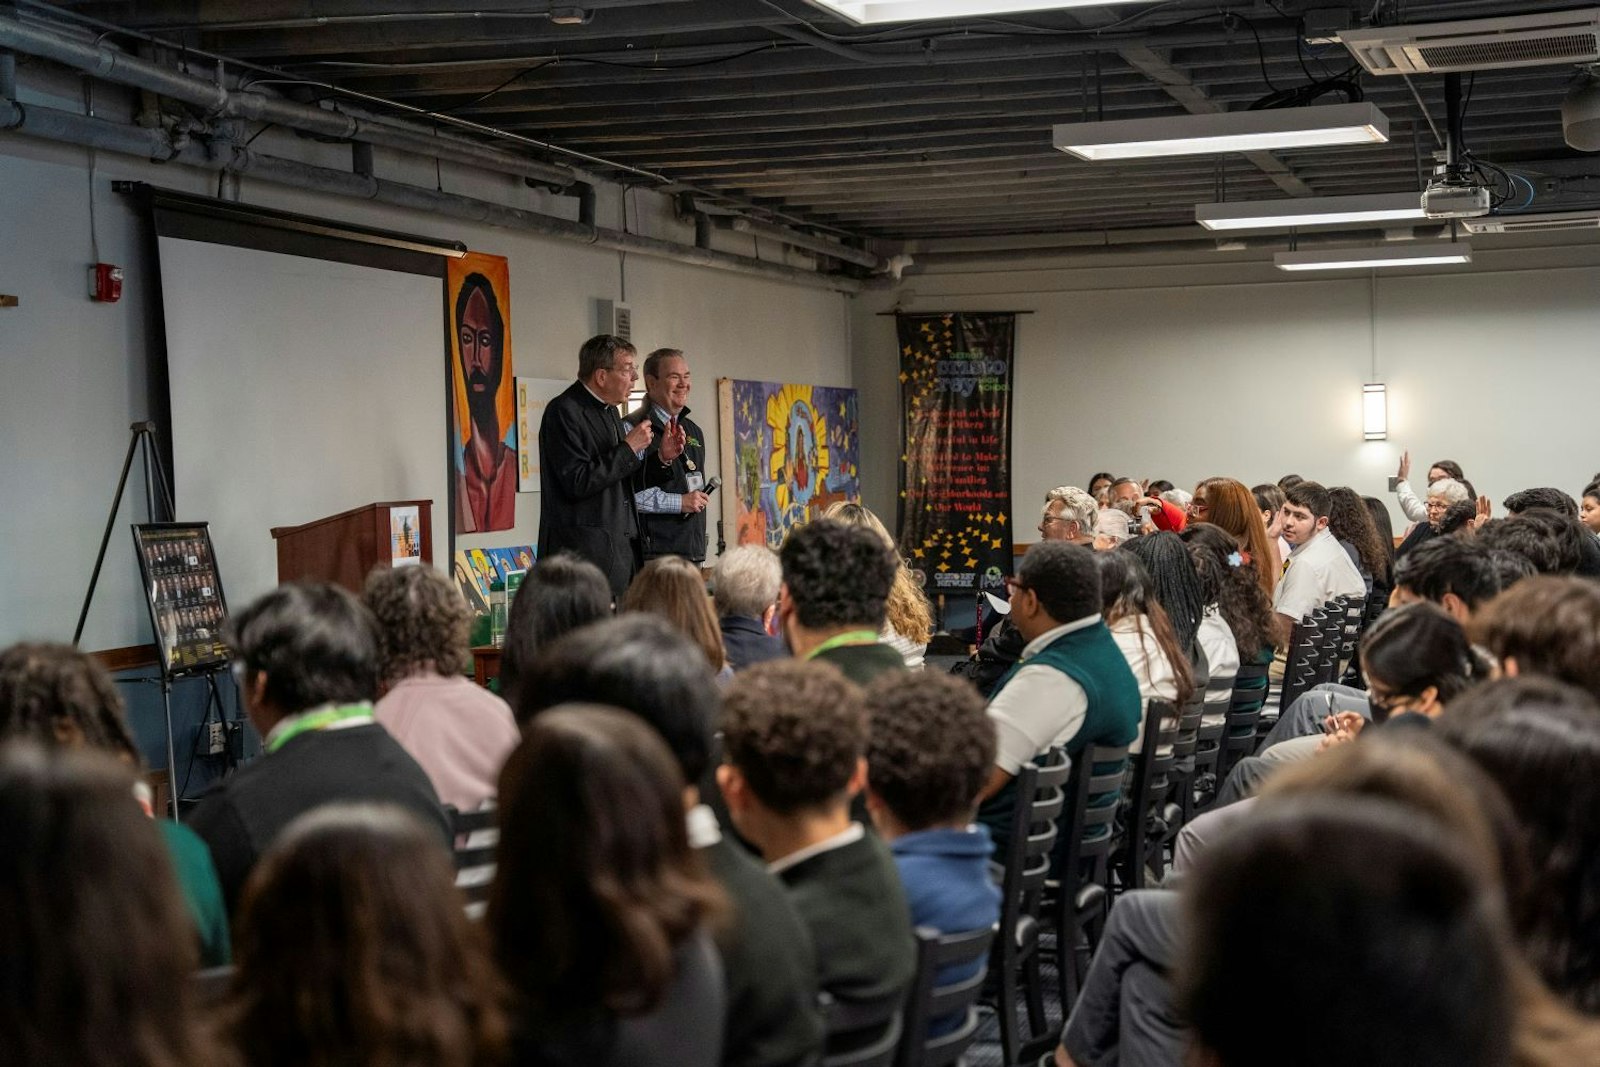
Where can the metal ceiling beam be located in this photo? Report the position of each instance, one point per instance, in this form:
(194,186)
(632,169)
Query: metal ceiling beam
(151,15)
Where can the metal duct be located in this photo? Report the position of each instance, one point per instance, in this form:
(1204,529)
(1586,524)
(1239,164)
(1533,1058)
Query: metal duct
(154,144)
(809,243)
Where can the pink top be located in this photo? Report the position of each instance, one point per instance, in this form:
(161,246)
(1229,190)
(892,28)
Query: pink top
(459,732)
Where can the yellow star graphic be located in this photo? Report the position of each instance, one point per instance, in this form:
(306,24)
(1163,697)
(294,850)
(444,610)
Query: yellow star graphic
(904,377)
(1001,518)
(906,350)
(917,552)
(972,562)
(994,542)
(943,567)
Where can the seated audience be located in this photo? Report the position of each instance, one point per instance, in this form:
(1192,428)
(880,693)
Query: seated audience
(837,580)
(1270,501)
(1175,585)
(1539,739)
(1318,570)
(671,587)
(600,910)
(1351,899)
(1245,609)
(642,665)
(1410,506)
(1550,542)
(56,696)
(354,949)
(1214,637)
(795,735)
(561,593)
(1101,482)
(1442,495)
(908,623)
(1072,686)
(1111,528)
(1589,509)
(930,752)
(98,946)
(1545,625)
(1069,514)
(745,584)
(1141,630)
(1226,503)
(1351,523)
(306,660)
(458,731)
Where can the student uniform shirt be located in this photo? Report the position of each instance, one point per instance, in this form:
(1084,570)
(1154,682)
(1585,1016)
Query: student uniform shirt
(1318,571)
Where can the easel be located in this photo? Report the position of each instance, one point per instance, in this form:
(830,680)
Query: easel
(142,440)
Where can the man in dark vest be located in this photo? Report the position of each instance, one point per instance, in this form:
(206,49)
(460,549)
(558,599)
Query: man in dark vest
(1072,686)
(587,460)
(670,495)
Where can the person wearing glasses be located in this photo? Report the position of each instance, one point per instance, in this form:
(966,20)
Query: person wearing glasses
(1069,515)
(1071,687)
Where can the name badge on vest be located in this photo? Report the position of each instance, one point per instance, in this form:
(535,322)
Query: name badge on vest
(697,481)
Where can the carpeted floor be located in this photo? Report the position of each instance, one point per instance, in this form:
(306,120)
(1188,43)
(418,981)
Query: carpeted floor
(985,1050)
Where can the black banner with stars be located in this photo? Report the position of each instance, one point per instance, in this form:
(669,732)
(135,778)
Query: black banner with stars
(955,448)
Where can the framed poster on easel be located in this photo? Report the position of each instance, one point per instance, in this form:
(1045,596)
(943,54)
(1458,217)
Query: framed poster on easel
(183,592)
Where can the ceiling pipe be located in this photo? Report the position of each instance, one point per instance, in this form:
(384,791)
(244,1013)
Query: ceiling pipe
(113,65)
(1097,246)
(230,158)
(806,242)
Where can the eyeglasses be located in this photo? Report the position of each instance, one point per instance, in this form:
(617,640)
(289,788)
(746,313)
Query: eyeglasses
(1013,584)
(1197,506)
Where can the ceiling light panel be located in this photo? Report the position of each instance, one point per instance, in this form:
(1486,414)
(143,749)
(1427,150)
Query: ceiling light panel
(1232,131)
(1408,254)
(872,12)
(1310,211)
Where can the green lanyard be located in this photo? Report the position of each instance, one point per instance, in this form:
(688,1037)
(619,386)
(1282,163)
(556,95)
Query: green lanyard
(849,637)
(319,720)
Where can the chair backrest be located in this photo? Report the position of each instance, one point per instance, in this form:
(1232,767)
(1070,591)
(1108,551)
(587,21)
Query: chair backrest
(862,1033)
(1244,713)
(476,836)
(1336,617)
(1355,623)
(1147,794)
(1040,799)
(1304,658)
(211,985)
(1099,776)
(1187,734)
(930,1002)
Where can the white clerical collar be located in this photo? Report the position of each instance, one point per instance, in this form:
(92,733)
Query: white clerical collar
(848,836)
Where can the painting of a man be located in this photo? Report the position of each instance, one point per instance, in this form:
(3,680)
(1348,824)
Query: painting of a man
(486,464)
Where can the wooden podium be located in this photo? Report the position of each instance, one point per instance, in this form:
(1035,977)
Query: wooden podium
(343,548)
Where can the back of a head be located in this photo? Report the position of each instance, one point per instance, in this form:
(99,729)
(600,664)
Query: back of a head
(1379,511)
(1449,565)
(595,884)
(1240,598)
(838,575)
(1450,490)
(351,946)
(1539,740)
(1350,521)
(90,916)
(315,643)
(1176,584)
(671,588)
(860,516)
(795,730)
(746,580)
(1351,901)
(1545,625)
(1546,497)
(1235,510)
(561,593)
(54,694)
(1546,545)
(1064,577)
(1269,496)
(638,663)
(932,748)
(1289,481)
(423,622)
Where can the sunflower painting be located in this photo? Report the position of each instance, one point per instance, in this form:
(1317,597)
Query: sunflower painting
(793,452)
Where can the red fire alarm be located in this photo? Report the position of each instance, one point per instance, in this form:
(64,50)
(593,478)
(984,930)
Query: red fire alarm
(105,283)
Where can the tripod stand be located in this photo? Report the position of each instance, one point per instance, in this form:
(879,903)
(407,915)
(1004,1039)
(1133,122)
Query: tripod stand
(142,440)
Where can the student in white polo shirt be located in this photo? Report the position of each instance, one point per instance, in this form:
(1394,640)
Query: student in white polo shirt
(1318,568)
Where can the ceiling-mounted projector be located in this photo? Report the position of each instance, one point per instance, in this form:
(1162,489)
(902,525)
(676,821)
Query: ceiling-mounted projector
(1452,199)
(1580,114)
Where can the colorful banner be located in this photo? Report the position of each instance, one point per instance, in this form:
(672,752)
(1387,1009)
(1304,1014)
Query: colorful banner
(792,450)
(955,443)
(484,406)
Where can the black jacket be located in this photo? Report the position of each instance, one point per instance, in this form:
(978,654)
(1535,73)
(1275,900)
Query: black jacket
(747,642)
(663,534)
(586,477)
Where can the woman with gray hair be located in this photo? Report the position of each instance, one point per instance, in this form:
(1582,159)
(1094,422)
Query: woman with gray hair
(1442,495)
(745,591)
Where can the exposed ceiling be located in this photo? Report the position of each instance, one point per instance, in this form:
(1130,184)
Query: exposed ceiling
(921,131)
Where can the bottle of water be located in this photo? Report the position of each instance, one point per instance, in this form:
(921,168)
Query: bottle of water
(497,613)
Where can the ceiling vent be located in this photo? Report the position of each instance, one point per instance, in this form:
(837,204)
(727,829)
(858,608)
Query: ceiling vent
(1534,223)
(1552,39)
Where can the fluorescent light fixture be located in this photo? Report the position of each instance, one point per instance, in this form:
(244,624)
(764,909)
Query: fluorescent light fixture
(1309,211)
(1374,411)
(1231,131)
(868,12)
(1407,254)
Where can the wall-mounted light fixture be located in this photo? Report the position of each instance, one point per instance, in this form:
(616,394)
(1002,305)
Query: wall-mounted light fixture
(1375,412)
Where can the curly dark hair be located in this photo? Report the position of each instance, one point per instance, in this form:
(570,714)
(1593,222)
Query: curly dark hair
(931,749)
(1549,625)
(1543,497)
(838,575)
(323,978)
(51,692)
(795,730)
(1349,520)
(423,621)
(1240,598)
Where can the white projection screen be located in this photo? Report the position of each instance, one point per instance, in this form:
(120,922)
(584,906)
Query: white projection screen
(300,388)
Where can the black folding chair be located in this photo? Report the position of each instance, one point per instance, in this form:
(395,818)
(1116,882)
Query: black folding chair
(211,985)
(1185,753)
(476,836)
(862,1033)
(1244,714)
(1040,798)
(1083,859)
(1304,660)
(1146,835)
(1208,741)
(929,1002)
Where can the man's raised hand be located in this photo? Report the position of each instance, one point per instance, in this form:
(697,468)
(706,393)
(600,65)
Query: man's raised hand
(639,437)
(673,441)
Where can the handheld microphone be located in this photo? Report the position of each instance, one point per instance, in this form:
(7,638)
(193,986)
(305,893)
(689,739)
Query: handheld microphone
(713,485)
